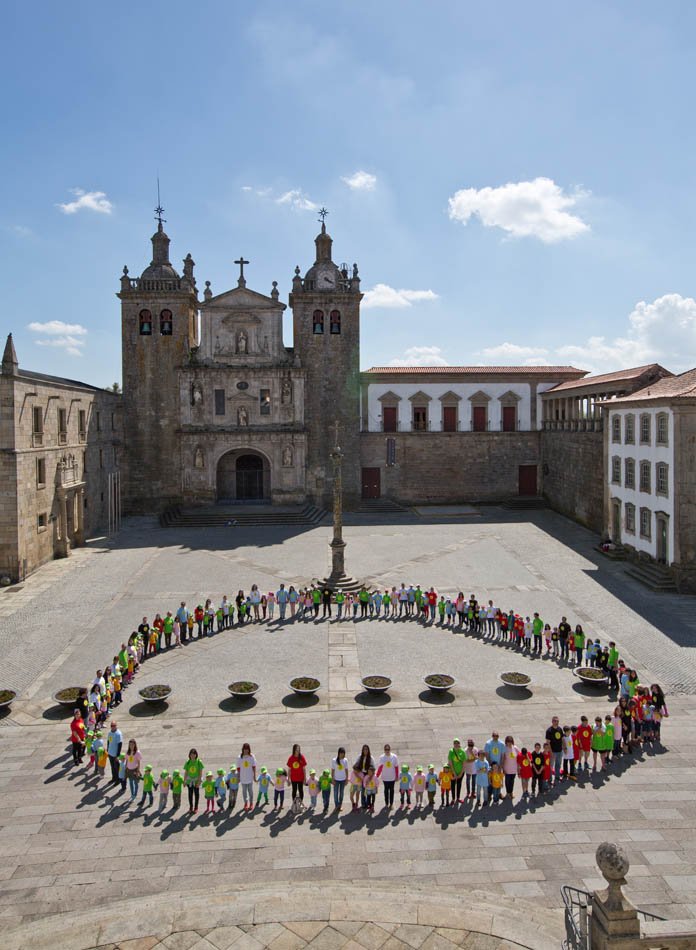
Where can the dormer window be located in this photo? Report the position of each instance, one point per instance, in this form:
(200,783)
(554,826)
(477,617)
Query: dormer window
(318,321)
(145,323)
(335,321)
(166,323)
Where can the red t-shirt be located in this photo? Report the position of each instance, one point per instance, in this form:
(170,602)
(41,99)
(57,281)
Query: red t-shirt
(584,735)
(297,765)
(525,767)
(576,747)
(432,598)
(77,730)
(547,766)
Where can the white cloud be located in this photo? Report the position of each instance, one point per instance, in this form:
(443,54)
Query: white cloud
(360,181)
(298,200)
(663,331)
(87,201)
(64,336)
(19,230)
(420,356)
(382,295)
(536,208)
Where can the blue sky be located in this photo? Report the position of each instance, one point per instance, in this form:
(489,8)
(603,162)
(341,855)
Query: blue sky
(516,181)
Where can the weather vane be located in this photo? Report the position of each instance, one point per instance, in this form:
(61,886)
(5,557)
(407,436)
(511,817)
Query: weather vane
(159,210)
(322,214)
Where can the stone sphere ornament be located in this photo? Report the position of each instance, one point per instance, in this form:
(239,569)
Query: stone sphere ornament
(613,862)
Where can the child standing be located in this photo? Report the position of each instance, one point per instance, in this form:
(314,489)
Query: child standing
(164,785)
(246,764)
(281,777)
(431,785)
(355,788)
(445,783)
(99,753)
(221,789)
(122,771)
(313,789)
(370,784)
(325,788)
(585,740)
(264,781)
(209,785)
(525,771)
(546,752)
(233,786)
(148,786)
(598,744)
(608,737)
(482,768)
(177,788)
(537,770)
(568,754)
(405,786)
(495,779)
(419,786)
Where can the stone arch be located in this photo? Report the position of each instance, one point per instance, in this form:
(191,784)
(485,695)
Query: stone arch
(243,474)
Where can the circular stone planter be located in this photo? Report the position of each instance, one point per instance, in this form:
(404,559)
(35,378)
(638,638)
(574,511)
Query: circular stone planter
(377,683)
(7,697)
(518,680)
(591,676)
(157,693)
(243,689)
(304,685)
(69,696)
(439,682)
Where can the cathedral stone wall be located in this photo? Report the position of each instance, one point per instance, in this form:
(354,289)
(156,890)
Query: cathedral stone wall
(573,475)
(450,467)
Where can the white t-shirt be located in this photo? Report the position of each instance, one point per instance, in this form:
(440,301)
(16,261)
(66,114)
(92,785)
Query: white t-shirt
(491,612)
(340,769)
(390,767)
(245,766)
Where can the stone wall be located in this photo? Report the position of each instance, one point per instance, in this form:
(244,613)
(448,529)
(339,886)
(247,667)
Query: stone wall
(572,479)
(450,467)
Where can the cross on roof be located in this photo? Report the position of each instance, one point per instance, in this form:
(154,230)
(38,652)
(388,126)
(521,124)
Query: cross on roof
(322,214)
(241,263)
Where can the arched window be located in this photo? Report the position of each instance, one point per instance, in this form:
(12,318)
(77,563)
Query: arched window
(318,321)
(145,323)
(166,323)
(335,321)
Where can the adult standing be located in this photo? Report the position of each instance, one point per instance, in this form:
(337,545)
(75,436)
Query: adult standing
(144,631)
(363,762)
(457,760)
(193,776)
(77,737)
(579,642)
(494,749)
(282,598)
(114,744)
(511,757)
(133,761)
(297,766)
(388,772)
(246,766)
(563,636)
(554,737)
(325,603)
(339,776)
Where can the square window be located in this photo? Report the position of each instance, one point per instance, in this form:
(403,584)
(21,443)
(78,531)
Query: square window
(645,430)
(265,402)
(645,476)
(661,478)
(630,430)
(630,473)
(616,471)
(41,473)
(616,428)
(645,522)
(82,425)
(41,521)
(662,429)
(631,518)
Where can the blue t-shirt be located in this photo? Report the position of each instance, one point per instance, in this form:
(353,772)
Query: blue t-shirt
(481,773)
(494,750)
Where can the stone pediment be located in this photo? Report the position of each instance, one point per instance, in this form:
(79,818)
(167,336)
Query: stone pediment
(241,298)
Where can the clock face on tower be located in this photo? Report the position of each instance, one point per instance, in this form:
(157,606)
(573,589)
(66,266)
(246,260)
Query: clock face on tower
(326,280)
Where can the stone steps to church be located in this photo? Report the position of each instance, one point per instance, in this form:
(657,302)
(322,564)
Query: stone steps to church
(653,576)
(525,502)
(380,506)
(232,516)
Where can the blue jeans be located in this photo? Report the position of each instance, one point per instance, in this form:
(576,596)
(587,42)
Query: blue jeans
(556,764)
(326,795)
(339,788)
(432,611)
(133,786)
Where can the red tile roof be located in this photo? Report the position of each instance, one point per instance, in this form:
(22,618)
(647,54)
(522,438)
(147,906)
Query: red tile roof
(476,370)
(671,387)
(619,376)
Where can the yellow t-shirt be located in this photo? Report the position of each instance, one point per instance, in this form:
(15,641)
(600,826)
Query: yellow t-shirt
(496,779)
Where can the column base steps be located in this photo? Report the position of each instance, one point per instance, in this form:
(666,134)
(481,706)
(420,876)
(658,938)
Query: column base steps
(655,576)
(232,516)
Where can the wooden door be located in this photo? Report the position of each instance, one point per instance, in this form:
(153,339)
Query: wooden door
(449,418)
(527,480)
(661,525)
(509,418)
(479,418)
(616,521)
(389,418)
(370,483)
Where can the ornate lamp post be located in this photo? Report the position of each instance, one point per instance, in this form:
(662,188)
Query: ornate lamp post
(338,577)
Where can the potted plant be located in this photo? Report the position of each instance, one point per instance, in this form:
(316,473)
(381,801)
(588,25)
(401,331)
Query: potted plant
(7,696)
(377,683)
(591,676)
(243,689)
(69,696)
(304,685)
(518,680)
(157,693)
(439,682)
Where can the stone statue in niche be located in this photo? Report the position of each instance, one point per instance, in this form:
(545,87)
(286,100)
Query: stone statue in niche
(198,460)
(264,345)
(242,416)
(287,456)
(286,391)
(242,342)
(217,348)
(196,394)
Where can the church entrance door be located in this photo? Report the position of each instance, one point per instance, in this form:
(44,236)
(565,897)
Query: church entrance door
(243,475)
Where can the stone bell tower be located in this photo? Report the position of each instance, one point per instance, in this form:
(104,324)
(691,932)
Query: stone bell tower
(158,329)
(326,328)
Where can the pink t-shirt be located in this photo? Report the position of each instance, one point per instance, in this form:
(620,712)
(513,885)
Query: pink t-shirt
(510,759)
(133,760)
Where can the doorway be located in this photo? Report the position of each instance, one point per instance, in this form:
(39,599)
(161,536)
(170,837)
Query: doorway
(661,539)
(527,480)
(243,476)
(370,483)
(616,521)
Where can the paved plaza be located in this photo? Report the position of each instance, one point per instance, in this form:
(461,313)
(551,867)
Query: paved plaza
(60,828)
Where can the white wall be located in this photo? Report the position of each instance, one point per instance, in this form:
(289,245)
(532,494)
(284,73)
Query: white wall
(643,452)
(464,390)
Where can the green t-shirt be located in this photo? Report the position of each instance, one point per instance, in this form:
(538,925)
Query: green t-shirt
(537,626)
(316,596)
(177,784)
(456,758)
(324,782)
(193,769)
(363,596)
(340,598)
(148,782)
(209,788)
(168,624)
(579,641)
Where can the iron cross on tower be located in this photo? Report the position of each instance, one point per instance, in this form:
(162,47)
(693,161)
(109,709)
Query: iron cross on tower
(322,214)
(241,282)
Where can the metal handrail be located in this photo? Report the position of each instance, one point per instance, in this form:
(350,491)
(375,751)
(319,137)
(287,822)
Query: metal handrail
(578,907)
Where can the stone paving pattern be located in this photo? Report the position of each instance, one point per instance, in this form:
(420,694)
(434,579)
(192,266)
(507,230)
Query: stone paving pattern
(60,828)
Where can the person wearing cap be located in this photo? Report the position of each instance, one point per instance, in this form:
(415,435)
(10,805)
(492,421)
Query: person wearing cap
(313,788)
(470,755)
(165,783)
(431,785)
(405,786)
(419,786)
(177,788)
(387,773)
(444,780)
(279,782)
(264,781)
(325,787)
(209,793)
(233,786)
(149,786)
(97,750)
(221,788)
(457,760)
(122,771)
(340,601)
